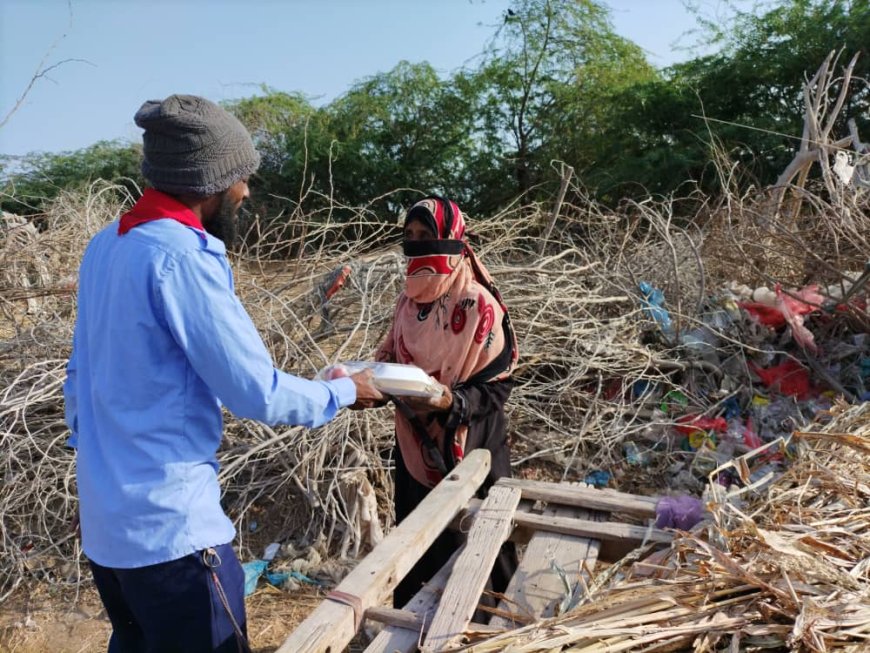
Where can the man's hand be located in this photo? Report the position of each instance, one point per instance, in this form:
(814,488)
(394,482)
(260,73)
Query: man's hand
(431,404)
(367,395)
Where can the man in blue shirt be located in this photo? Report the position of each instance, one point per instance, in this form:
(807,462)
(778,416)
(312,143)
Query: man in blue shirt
(161,343)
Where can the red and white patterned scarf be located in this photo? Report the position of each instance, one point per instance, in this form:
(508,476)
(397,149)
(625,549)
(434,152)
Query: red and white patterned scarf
(450,321)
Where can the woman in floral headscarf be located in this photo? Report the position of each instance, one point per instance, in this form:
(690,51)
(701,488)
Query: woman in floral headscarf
(451,322)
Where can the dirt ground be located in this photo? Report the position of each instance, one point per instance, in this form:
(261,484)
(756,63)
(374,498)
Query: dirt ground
(36,621)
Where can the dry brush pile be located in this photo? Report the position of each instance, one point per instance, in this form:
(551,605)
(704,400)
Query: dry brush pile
(585,343)
(783,569)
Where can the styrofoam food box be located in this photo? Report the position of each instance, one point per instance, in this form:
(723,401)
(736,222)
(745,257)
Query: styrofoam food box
(392,378)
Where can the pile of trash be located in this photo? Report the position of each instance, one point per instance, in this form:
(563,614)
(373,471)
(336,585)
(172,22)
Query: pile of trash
(758,364)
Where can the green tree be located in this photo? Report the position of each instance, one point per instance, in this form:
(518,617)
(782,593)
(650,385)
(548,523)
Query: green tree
(27,185)
(405,130)
(750,89)
(546,84)
(294,140)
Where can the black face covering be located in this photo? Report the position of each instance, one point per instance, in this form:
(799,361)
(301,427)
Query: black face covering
(430,247)
(224,224)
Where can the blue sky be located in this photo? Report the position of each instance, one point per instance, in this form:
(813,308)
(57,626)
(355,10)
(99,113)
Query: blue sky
(127,51)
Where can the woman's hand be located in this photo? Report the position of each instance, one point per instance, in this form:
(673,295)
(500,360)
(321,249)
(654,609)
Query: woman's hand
(431,404)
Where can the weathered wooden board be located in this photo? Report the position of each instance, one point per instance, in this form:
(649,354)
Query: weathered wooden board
(604,531)
(584,497)
(423,605)
(332,625)
(490,529)
(536,588)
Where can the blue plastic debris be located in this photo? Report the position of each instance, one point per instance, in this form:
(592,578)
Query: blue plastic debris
(654,307)
(278,578)
(598,478)
(640,387)
(253,570)
(732,408)
(257,568)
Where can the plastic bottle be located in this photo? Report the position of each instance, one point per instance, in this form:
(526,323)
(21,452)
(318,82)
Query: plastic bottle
(634,455)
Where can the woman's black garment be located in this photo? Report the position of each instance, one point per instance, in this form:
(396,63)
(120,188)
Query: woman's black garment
(484,408)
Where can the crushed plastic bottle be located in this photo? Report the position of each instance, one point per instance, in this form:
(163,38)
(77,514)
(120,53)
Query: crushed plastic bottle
(760,473)
(732,437)
(702,343)
(634,455)
(654,307)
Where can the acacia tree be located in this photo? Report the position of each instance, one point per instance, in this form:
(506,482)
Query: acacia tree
(544,85)
(293,138)
(406,130)
(29,183)
(749,90)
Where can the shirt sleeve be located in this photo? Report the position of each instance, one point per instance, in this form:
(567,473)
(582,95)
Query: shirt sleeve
(217,335)
(70,395)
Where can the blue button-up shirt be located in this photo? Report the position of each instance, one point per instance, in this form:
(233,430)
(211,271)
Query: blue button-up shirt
(161,341)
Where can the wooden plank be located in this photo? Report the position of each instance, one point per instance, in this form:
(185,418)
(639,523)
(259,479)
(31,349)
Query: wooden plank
(331,626)
(610,551)
(584,497)
(489,531)
(424,603)
(536,589)
(605,531)
(527,523)
(407,620)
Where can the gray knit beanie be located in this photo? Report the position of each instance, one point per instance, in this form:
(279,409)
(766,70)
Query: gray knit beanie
(193,146)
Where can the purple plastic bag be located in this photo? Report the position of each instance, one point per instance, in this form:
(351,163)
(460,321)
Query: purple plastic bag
(680,512)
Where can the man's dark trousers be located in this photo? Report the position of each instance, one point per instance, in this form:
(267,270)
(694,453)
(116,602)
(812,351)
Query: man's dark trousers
(174,606)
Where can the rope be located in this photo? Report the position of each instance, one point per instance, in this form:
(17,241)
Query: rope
(212,560)
(353,602)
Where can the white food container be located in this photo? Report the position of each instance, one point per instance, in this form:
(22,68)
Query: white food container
(389,378)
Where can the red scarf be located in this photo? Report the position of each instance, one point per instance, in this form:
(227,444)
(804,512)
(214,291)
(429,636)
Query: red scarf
(432,270)
(154,205)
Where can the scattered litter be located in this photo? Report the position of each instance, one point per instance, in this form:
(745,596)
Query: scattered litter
(654,307)
(634,455)
(680,512)
(598,478)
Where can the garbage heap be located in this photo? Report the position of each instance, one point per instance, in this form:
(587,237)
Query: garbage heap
(757,365)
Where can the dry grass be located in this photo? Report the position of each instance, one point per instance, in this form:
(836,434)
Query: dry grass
(36,620)
(786,568)
(584,342)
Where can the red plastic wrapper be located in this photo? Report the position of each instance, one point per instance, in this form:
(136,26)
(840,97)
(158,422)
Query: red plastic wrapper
(789,309)
(788,378)
(769,316)
(750,437)
(688,424)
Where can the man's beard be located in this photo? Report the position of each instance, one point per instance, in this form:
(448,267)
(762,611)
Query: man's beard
(224,224)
